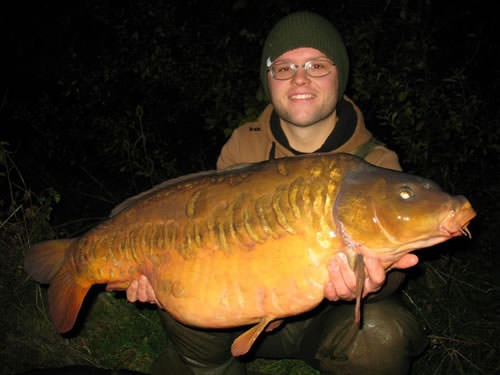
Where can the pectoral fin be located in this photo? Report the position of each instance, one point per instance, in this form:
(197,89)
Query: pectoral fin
(359,271)
(244,342)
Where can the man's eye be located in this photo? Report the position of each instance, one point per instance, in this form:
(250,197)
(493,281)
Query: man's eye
(318,66)
(283,68)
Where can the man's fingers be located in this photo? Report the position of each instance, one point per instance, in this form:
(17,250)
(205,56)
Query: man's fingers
(115,286)
(132,291)
(348,276)
(341,280)
(142,291)
(407,261)
(375,275)
(334,279)
(375,271)
(151,294)
(331,292)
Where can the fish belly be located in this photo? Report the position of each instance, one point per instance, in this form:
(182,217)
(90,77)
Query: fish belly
(216,290)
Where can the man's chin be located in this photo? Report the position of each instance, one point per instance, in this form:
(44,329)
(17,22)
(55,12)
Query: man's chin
(303,118)
(302,122)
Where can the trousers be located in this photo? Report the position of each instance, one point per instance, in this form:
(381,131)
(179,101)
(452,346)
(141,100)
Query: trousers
(325,338)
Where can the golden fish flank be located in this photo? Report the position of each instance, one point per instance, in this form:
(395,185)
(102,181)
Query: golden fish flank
(172,287)
(250,245)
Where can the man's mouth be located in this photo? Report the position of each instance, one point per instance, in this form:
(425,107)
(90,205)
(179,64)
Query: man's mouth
(301,96)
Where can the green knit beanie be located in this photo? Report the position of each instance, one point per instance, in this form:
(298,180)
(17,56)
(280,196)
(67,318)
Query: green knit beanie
(305,29)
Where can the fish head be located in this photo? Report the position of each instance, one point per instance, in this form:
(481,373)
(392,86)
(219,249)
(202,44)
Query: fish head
(386,213)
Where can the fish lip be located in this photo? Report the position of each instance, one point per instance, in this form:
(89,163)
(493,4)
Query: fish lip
(455,224)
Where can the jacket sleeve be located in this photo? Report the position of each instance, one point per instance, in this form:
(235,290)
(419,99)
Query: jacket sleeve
(230,153)
(244,146)
(383,157)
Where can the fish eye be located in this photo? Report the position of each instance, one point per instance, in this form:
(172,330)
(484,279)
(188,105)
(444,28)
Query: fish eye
(406,193)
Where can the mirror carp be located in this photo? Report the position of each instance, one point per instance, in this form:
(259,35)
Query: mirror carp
(251,244)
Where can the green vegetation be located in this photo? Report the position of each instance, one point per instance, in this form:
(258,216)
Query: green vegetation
(108,99)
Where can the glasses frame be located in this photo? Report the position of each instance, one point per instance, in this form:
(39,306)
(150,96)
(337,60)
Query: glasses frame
(295,68)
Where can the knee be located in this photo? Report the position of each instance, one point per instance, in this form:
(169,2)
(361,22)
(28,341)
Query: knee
(197,351)
(171,362)
(389,326)
(386,342)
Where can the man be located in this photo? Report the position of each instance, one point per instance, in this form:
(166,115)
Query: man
(304,70)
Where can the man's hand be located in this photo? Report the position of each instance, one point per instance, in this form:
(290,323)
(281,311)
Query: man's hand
(342,280)
(142,290)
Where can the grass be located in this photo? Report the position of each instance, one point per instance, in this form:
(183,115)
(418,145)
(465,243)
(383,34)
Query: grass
(453,292)
(457,303)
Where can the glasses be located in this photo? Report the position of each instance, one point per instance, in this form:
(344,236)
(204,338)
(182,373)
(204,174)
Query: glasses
(314,68)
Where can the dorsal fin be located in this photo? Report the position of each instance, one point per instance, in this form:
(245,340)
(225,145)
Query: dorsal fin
(134,199)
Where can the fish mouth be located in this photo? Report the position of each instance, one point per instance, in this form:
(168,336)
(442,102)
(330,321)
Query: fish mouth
(457,221)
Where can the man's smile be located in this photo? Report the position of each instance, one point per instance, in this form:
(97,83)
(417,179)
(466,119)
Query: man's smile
(302,96)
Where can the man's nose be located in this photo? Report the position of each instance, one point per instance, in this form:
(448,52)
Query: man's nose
(301,76)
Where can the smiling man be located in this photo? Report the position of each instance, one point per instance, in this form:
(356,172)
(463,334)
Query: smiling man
(304,70)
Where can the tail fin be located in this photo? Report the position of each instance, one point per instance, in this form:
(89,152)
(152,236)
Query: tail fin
(46,258)
(66,295)
(44,262)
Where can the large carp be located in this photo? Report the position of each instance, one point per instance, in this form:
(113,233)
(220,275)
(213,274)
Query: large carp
(251,244)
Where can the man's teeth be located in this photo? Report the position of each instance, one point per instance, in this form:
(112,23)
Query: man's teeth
(302,96)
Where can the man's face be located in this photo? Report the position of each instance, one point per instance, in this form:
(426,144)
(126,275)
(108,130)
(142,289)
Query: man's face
(304,100)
